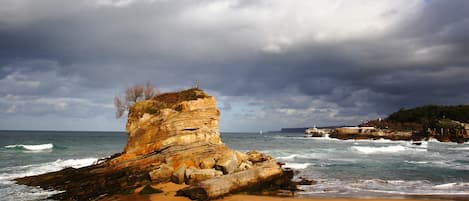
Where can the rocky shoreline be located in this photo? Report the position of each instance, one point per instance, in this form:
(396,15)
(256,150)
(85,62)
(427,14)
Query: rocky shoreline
(443,130)
(172,137)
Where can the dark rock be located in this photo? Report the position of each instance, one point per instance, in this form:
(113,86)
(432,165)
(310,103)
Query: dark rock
(304,181)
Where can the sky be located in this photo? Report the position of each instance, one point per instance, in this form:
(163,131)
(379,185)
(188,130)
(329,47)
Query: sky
(270,63)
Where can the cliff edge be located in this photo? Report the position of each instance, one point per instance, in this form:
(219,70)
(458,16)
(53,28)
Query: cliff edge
(172,137)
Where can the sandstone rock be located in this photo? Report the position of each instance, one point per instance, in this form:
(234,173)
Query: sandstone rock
(228,163)
(194,176)
(241,157)
(218,186)
(178,175)
(170,137)
(256,157)
(244,166)
(162,173)
(207,163)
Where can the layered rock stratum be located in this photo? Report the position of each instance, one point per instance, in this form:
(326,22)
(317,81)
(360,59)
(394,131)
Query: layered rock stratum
(172,137)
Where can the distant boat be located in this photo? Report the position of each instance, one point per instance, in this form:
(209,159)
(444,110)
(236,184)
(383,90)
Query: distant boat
(260,132)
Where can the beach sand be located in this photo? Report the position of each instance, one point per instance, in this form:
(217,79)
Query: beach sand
(169,192)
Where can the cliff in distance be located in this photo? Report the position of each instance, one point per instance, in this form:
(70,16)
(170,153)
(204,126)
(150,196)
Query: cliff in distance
(172,137)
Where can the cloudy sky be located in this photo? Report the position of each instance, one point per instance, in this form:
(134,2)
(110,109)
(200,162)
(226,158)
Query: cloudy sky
(269,63)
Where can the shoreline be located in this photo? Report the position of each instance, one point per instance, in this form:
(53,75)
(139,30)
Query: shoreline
(169,194)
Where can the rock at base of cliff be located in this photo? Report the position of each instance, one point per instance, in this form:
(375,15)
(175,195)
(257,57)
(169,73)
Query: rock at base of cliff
(216,187)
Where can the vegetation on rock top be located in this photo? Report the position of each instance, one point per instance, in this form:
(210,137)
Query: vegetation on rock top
(431,113)
(163,101)
(147,99)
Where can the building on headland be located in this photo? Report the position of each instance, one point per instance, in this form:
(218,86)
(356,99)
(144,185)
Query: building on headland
(316,132)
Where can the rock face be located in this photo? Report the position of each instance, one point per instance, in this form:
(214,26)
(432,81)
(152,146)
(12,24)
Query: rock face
(444,131)
(360,133)
(172,137)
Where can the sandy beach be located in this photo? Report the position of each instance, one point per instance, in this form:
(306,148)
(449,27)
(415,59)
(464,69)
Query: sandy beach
(169,194)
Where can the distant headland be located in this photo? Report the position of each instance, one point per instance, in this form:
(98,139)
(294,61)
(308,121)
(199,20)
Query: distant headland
(443,123)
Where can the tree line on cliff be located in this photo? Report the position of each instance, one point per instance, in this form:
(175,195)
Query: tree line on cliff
(421,118)
(431,113)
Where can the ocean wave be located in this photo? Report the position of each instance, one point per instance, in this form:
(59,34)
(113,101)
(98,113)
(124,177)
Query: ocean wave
(297,166)
(288,158)
(381,140)
(25,193)
(447,164)
(452,186)
(11,191)
(380,187)
(373,150)
(10,173)
(39,147)
(387,149)
(459,148)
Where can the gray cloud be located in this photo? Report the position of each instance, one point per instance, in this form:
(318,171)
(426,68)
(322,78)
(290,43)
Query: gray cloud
(271,64)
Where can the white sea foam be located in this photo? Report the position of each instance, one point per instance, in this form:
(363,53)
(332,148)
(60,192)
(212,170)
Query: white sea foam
(459,148)
(39,147)
(297,165)
(386,149)
(419,144)
(418,162)
(288,158)
(10,173)
(384,187)
(374,150)
(12,191)
(452,186)
(433,140)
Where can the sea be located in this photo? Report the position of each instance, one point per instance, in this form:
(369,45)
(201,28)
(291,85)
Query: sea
(350,168)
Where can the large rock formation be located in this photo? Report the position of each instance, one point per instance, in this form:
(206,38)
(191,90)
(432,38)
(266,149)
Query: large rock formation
(172,137)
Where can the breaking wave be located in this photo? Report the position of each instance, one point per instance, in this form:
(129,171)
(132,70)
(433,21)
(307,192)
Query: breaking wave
(296,166)
(10,173)
(11,191)
(39,147)
(387,149)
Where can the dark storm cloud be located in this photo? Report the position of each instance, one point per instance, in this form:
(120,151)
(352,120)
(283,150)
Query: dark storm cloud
(277,60)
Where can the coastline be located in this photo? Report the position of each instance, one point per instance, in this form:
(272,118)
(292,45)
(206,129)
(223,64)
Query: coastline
(169,194)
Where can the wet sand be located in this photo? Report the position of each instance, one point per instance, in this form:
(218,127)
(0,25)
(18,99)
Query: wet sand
(169,192)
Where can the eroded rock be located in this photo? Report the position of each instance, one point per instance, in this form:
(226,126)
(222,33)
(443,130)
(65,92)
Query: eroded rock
(228,163)
(162,173)
(256,157)
(174,137)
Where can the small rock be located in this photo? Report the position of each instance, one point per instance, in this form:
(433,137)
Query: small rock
(256,157)
(161,174)
(197,175)
(207,163)
(304,181)
(241,157)
(245,166)
(227,164)
(178,175)
(284,193)
(148,189)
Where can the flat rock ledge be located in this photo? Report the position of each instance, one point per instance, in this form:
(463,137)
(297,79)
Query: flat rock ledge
(172,137)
